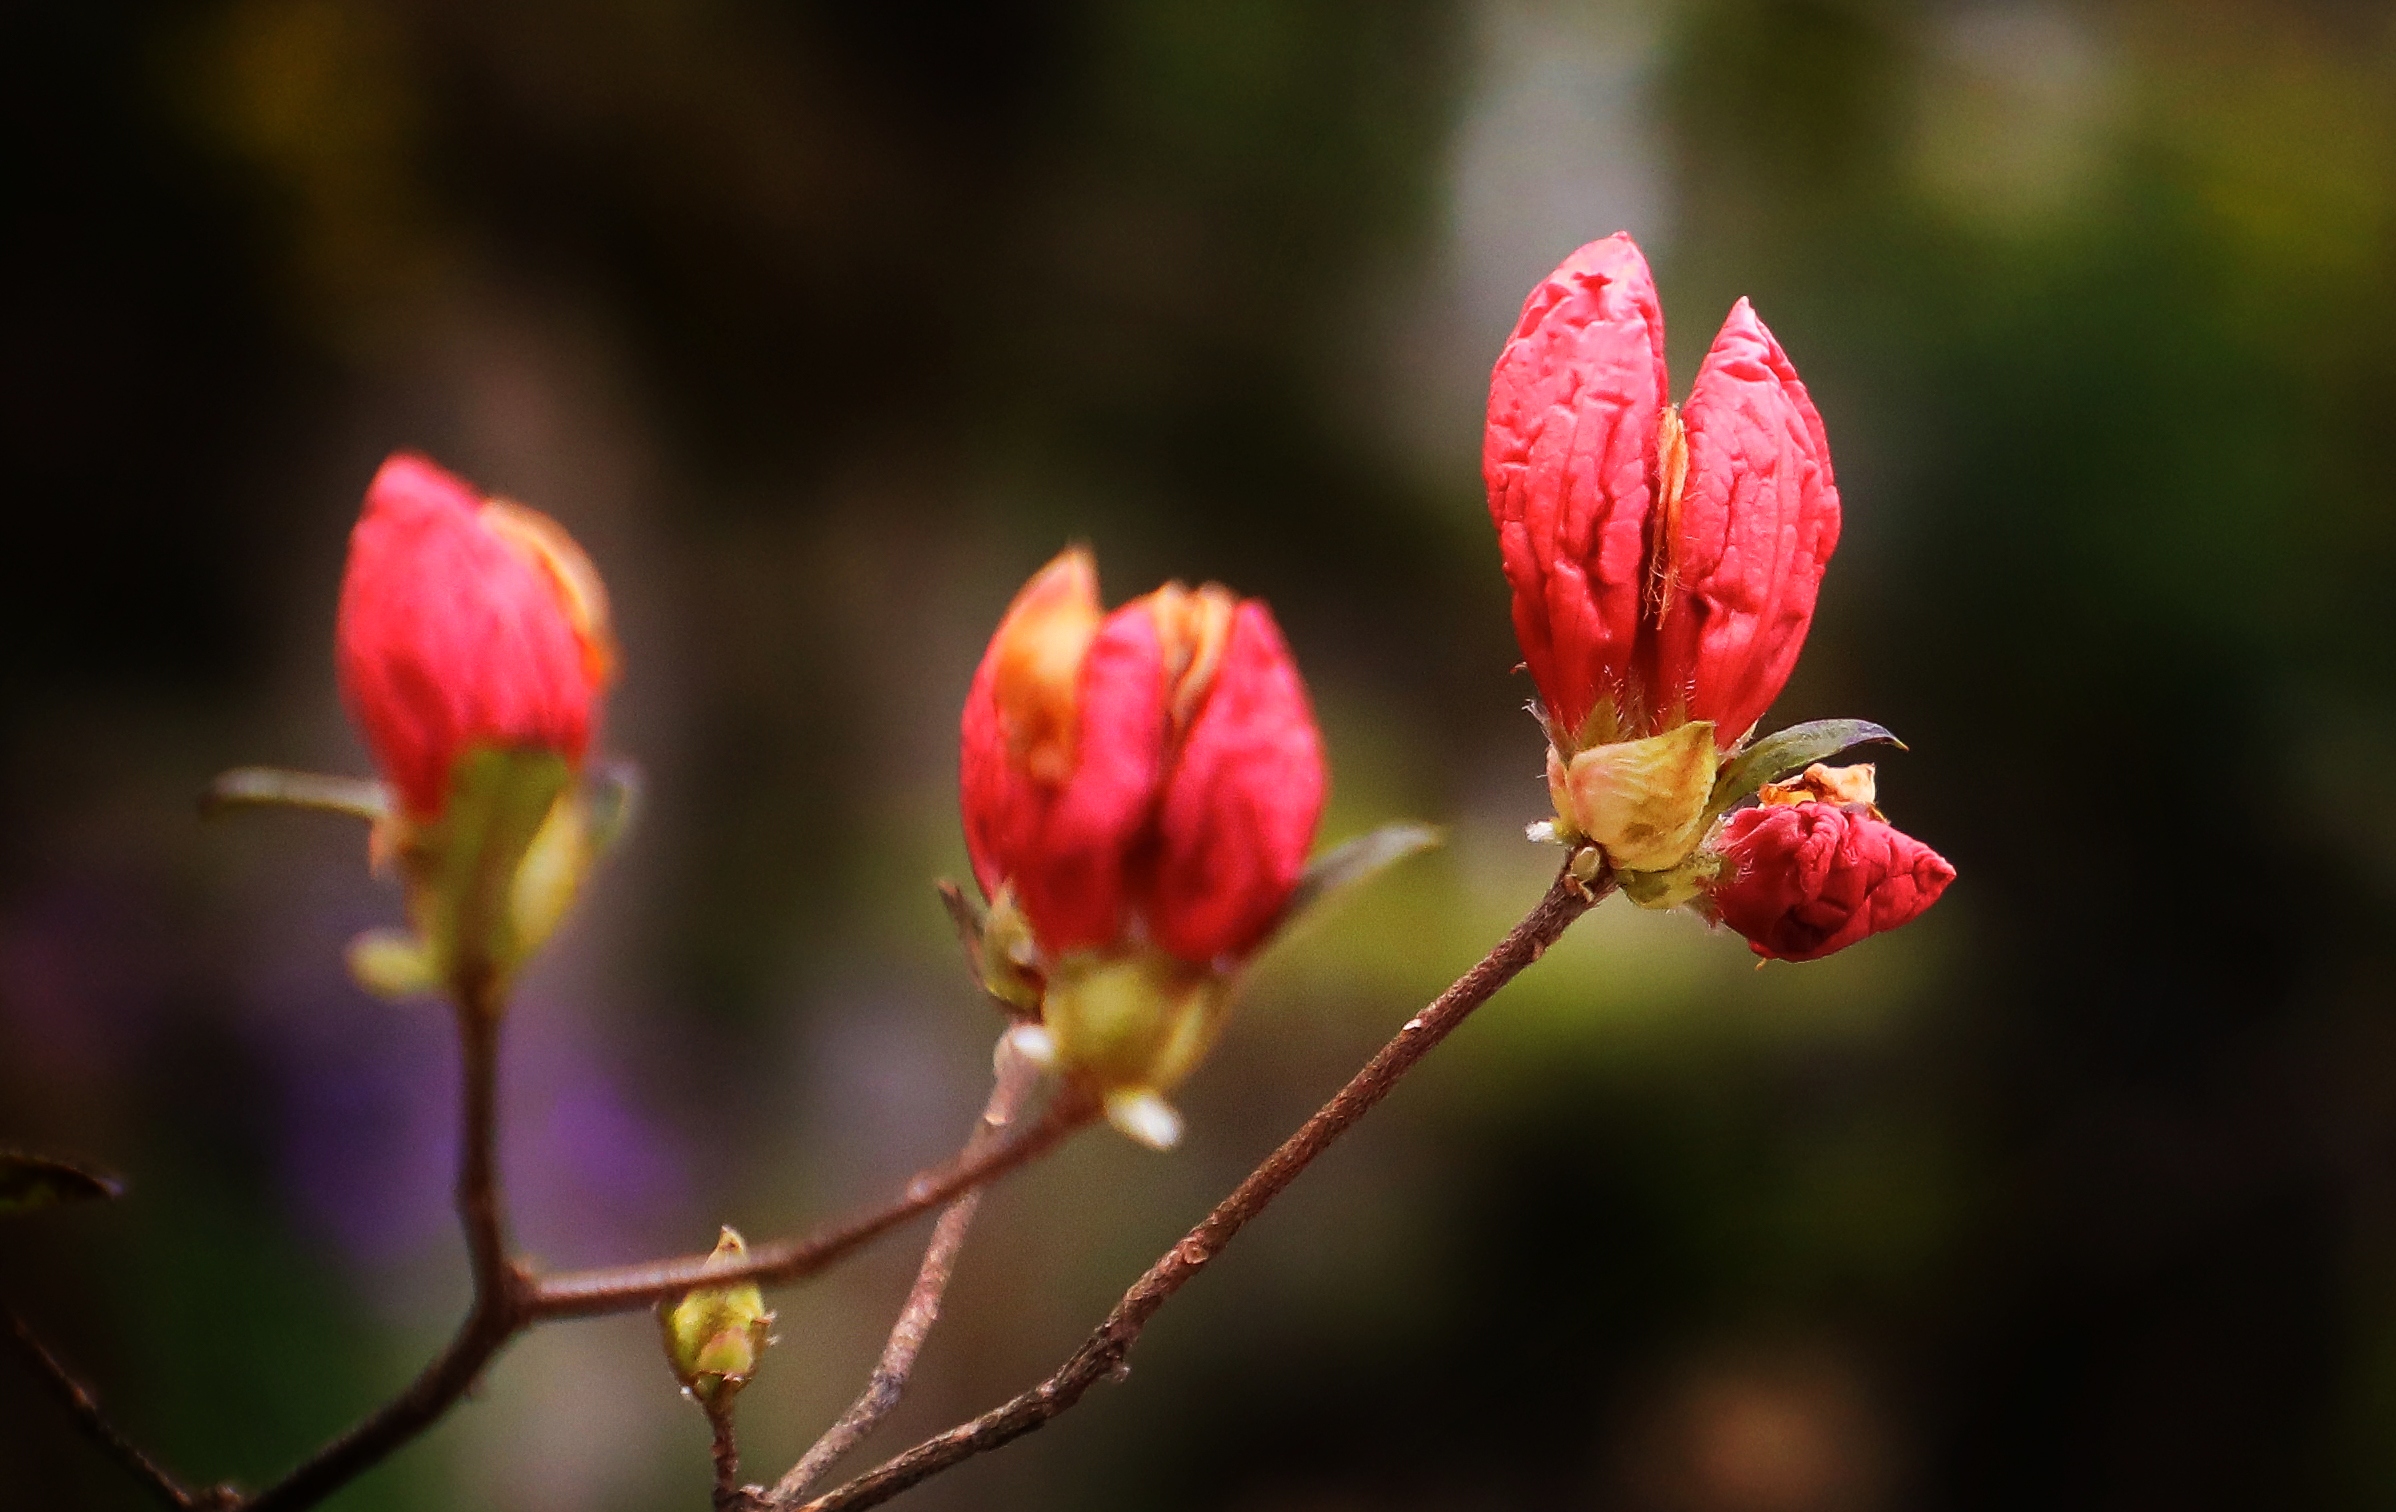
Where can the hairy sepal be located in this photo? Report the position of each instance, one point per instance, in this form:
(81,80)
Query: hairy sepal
(1643,801)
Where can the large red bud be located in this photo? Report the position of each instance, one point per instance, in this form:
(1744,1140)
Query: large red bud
(1063,739)
(465,622)
(1570,458)
(1240,802)
(1747,538)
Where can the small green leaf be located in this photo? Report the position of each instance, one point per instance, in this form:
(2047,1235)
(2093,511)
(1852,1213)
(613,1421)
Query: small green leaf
(1790,750)
(966,912)
(1355,861)
(971,919)
(28,1182)
(272,787)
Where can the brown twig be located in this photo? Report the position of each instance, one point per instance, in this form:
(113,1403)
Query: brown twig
(583,1294)
(519,1301)
(501,1290)
(724,1451)
(1016,1076)
(84,1407)
(1104,1351)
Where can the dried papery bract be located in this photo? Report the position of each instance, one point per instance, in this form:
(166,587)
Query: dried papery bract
(1139,791)
(1664,564)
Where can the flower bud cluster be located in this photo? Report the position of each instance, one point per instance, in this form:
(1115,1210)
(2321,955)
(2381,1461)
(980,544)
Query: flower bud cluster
(1664,562)
(1139,792)
(1140,787)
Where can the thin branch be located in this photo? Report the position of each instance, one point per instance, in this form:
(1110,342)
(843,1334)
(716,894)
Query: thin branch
(95,1425)
(724,1451)
(479,1209)
(583,1294)
(1016,1076)
(1104,1351)
(518,1300)
(501,1290)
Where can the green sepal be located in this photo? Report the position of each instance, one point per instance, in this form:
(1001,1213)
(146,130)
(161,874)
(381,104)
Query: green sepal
(29,1183)
(1791,750)
(1673,886)
(1354,862)
(1138,1020)
(1642,800)
(1005,955)
(480,898)
(393,964)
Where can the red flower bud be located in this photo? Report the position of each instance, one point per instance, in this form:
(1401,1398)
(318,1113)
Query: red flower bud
(1808,879)
(1570,458)
(464,622)
(1240,801)
(1664,565)
(1153,775)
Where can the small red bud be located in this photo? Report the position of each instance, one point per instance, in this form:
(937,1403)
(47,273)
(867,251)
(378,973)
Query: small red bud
(465,622)
(1805,880)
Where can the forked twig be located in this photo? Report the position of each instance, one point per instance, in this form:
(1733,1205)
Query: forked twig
(500,1288)
(1104,1350)
(1016,1076)
(509,1299)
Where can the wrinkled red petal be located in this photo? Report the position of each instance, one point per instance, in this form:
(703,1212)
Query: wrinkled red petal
(1569,458)
(1810,879)
(1240,803)
(1067,847)
(1758,521)
(448,637)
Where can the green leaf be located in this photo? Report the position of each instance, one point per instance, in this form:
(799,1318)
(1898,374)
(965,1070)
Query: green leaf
(272,787)
(1790,750)
(966,912)
(28,1182)
(1358,860)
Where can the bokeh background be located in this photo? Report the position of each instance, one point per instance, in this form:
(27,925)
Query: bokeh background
(823,324)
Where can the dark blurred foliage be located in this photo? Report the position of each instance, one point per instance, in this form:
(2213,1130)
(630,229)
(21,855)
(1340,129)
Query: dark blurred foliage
(823,324)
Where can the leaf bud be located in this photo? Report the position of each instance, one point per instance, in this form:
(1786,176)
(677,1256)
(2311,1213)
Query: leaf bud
(715,1338)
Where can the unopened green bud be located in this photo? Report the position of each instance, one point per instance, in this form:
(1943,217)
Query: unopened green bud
(716,1338)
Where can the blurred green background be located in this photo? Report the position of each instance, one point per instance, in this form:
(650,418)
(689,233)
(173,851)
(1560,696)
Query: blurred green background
(823,324)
